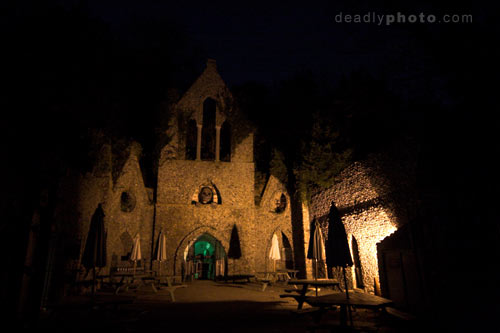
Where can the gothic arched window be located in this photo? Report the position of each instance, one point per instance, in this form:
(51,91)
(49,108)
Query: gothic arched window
(208,130)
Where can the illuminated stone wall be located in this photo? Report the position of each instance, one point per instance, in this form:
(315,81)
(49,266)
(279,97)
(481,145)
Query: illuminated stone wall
(123,225)
(182,222)
(208,85)
(180,219)
(268,221)
(178,213)
(374,197)
(80,196)
(179,181)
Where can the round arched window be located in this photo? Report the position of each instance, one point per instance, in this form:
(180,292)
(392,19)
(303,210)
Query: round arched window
(279,202)
(127,202)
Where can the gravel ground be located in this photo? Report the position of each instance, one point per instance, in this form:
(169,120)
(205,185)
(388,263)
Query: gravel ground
(207,306)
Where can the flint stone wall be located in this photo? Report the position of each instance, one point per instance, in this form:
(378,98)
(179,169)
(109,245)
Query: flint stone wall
(268,222)
(79,198)
(182,221)
(373,198)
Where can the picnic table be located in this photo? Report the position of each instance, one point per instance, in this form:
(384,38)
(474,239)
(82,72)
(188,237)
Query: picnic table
(357,300)
(128,279)
(269,277)
(300,294)
(239,277)
(289,274)
(171,287)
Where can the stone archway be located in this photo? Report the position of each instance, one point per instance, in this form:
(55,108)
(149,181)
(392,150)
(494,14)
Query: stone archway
(286,250)
(205,259)
(189,240)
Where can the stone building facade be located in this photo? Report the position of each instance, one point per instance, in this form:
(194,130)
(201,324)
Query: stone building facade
(127,205)
(374,199)
(206,186)
(207,193)
(205,189)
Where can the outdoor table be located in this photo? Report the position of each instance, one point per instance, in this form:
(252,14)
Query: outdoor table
(234,278)
(170,286)
(290,273)
(275,275)
(305,286)
(271,277)
(359,300)
(165,277)
(127,278)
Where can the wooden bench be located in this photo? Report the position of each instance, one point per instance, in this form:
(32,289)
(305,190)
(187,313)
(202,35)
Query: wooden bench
(315,313)
(171,290)
(299,298)
(265,283)
(238,277)
(136,281)
(171,287)
(151,281)
(336,327)
(299,290)
(400,314)
(297,295)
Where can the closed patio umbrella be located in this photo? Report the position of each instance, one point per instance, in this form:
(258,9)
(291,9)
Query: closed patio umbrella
(94,253)
(316,248)
(136,251)
(274,252)
(234,251)
(161,251)
(338,253)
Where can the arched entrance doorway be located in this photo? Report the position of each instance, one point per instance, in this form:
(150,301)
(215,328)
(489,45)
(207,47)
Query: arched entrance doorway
(205,258)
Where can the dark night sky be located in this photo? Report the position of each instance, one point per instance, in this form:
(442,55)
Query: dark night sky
(444,64)
(251,41)
(72,77)
(268,41)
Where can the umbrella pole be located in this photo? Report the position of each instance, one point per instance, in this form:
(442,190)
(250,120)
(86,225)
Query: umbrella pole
(159,273)
(316,274)
(345,283)
(93,282)
(347,296)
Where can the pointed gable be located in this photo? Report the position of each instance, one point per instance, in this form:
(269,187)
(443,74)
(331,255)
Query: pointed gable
(208,85)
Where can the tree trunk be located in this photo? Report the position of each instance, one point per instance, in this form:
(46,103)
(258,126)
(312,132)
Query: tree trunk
(297,224)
